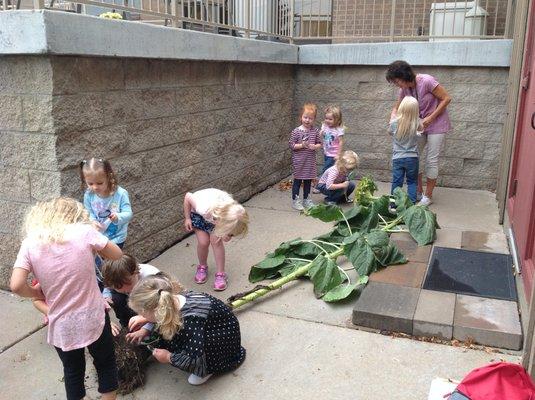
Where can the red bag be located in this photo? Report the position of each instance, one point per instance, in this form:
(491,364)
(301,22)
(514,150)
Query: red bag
(498,381)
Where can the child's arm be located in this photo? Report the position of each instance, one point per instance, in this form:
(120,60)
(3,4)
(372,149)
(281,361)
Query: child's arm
(41,306)
(87,206)
(294,145)
(188,205)
(394,112)
(318,144)
(111,251)
(125,214)
(19,284)
(341,185)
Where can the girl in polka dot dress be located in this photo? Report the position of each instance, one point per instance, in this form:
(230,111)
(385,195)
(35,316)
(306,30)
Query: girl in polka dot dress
(197,333)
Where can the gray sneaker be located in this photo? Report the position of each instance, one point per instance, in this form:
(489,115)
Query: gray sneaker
(297,205)
(307,203)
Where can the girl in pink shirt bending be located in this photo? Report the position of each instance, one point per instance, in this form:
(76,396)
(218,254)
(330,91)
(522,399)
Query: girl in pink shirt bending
(59,250)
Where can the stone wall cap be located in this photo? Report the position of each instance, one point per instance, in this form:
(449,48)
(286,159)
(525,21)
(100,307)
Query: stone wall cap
(55,32)
(466,53)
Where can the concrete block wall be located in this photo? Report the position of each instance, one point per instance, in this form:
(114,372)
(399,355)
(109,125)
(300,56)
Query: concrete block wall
(166,126)
(470,158)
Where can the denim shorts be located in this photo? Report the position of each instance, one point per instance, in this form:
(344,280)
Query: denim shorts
(198,222)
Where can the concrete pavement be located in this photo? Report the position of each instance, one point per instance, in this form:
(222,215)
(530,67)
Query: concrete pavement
(297,346)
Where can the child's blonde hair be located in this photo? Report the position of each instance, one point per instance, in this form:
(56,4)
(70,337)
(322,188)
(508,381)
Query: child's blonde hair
(348,161)
(46,221)
(230,219)
(337,115)
(408,118)
(98,164)
(309,107)
(157,294)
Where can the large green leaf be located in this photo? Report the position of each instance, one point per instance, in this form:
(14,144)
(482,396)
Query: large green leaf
(421,223)
(325,275)
(324,212)
(360,254)
(344,290)
(260,274)
(392,256)
(381,206)
(367,252)
(267,268)
(361,218)
(378,239)
(271,261)
(285,247)
(402,200)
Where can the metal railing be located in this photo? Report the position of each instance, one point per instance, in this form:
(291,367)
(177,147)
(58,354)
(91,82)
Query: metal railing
(309,20)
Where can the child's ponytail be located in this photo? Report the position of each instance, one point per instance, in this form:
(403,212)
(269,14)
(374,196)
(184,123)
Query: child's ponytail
(157,294)
(167,314)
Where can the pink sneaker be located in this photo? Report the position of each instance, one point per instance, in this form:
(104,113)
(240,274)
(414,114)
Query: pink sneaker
(220,282)
(202,274)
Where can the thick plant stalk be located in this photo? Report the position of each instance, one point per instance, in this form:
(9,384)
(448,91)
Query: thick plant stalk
(280,282)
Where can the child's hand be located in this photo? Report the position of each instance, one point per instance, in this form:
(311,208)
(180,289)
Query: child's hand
(162,356)
(136,322)
(38,292)
(115,330)
(114,217)
(137,336)
(108,299)
(97,225)
(346,184)
(188,225)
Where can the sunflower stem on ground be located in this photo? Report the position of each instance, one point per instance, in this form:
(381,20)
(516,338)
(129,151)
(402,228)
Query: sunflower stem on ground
(281,282)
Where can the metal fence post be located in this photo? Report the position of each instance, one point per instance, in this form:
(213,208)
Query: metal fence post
(38,4)
(174,13)
(248,28)
(392,20)
(291,19)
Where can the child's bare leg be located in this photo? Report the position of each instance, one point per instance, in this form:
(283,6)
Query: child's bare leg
(109,395)
(219,252)
(203,245)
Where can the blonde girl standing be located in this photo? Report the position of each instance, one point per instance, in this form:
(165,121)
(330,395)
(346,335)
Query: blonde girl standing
(304,141)
(198,333)
(58,250)
(405,128)
(332,136)
(108,203)
(215,217)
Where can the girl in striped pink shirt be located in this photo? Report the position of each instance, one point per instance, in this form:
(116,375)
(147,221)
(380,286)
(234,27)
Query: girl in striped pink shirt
(334,182)
(304,141)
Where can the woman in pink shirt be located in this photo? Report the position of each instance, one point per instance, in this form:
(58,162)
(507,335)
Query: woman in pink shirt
(59,250)
(433,100)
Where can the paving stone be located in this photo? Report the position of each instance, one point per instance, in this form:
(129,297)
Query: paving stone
(451,238)
(412,251)
(489,322)
(434,314)
(410,274)
(495,242)
(386,307)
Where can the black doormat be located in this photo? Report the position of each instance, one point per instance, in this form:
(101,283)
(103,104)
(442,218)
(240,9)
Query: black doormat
(471,272)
